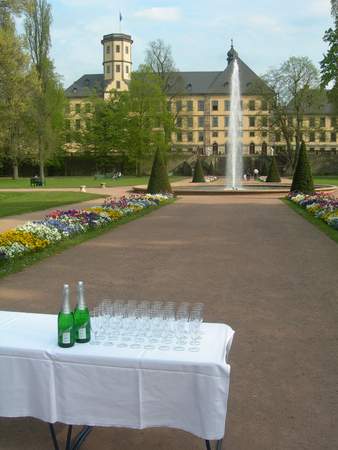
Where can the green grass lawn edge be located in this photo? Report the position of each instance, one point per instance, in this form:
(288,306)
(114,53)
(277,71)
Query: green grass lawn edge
(7,211)
(17,264)
(319,223)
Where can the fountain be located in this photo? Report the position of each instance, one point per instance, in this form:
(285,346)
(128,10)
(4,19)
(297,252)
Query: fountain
(234,158)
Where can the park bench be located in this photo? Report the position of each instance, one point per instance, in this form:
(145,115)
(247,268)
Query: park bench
(36,182)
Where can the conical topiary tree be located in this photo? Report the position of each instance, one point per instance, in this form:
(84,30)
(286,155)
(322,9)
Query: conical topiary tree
(198,173)
(302,178)
(265,168)
(186,169)
(273,174)
(158,181)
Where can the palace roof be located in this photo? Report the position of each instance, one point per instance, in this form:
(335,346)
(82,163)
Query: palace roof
(86,86)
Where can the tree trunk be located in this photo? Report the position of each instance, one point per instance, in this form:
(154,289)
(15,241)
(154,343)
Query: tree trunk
(15,168)
(41,162)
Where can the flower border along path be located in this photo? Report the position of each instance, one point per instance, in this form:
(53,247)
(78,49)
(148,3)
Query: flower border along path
(61,229)
(320,209)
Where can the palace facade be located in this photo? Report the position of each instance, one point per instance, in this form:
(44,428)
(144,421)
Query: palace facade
(201,104)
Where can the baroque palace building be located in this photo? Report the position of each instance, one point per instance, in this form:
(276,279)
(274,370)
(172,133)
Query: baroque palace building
(200,102)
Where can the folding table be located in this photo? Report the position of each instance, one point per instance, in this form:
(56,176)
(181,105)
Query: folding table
(110,386)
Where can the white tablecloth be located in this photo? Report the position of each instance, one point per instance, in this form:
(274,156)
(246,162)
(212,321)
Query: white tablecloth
(108,386)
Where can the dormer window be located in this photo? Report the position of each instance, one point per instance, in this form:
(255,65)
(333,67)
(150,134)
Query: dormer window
(75,90)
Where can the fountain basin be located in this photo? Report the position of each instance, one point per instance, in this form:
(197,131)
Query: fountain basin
(248,189)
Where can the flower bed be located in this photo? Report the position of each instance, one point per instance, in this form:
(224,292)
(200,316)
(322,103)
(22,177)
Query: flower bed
(60,224)
(321,205)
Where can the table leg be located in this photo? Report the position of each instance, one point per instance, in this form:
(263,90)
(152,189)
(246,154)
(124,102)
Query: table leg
(77,441)
(69,437)
(52,432)
(218,445)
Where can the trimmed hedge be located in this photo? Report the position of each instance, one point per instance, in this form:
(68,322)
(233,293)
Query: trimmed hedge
(273,175)
(159,180)
(198,173)
(302,178)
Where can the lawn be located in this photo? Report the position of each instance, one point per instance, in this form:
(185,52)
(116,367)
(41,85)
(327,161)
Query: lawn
(75,182)
(326,180)
(319,223)
(12,203)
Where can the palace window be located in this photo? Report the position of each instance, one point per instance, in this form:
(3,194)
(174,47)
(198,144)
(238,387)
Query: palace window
(201,105)
(252,148)
(226,121)
(252,121)
(200,136)
(77,124)
(201,121)
(312,136)
(117,49)
(333,122)
(264,105)
(264,148)
(333,151)
(127,69)
(190,122)
(179,136)
(108,49)
(189,136)
(264,133)
(214,105)
(107,68)
(322,137)
(215,121)
(179,122)
(252,105)
(312,122)
(118,84)
(322,121)
(226,105)
(78,107)
(252,134)
(127,50)
(215,134)
(277,137)
(88,107)
(178,105)
(189,105)
(333,137)
(118,68)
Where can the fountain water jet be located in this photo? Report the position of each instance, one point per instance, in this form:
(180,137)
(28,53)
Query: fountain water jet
(234,158)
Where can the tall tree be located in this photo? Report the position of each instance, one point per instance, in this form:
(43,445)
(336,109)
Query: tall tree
(293,89)
(160,61)
(102,132)
(328,65)
(48,103)
(16,84)
(147,123)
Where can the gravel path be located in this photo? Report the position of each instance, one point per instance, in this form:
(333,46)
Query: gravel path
(259,267)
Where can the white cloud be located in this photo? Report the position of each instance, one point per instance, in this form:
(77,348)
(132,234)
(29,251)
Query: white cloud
(164,14)
(266,23)
(320,7)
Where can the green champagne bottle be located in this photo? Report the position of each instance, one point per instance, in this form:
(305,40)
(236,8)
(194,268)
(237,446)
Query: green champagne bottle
(66,330)
(81,317)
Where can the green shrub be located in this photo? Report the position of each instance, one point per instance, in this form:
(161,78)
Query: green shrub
(198,173)
(211,169)
(158,181)
(273,175)
(186,169)
(302,178)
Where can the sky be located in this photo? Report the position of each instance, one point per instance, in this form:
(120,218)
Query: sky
(265,32)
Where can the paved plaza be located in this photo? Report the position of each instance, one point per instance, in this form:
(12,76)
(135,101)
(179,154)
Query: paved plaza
(259,267)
